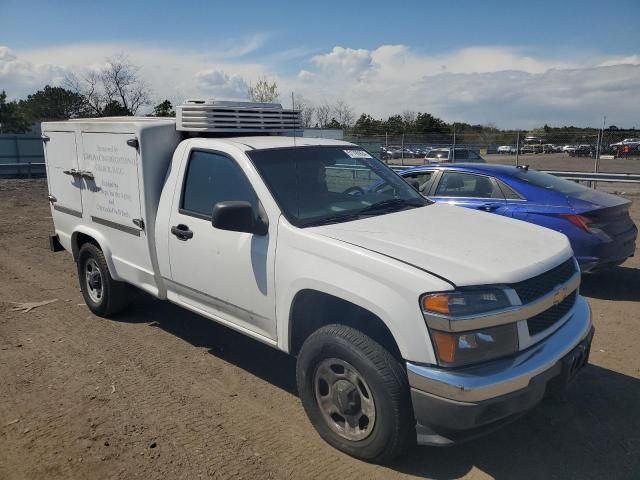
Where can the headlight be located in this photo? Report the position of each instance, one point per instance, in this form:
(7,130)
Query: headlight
(466,348)
(447,313)
(465,302)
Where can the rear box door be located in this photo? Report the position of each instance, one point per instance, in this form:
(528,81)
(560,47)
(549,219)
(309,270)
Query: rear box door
(62,173)
(113,191)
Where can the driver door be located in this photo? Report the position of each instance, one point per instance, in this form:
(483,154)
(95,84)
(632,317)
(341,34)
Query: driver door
(229,275)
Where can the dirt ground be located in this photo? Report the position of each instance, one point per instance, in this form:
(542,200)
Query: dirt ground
(161,393)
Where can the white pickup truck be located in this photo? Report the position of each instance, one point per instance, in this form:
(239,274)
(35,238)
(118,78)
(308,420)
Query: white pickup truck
(411,321)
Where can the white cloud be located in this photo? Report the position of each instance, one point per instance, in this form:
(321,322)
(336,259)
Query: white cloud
(217,83)
(480,84)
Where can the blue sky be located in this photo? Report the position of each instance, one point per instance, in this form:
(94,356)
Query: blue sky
(378,56)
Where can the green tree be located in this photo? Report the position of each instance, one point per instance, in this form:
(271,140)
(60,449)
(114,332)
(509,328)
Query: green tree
(115,109)
(425,122)
(53,103)
(164,109)
(333,123)
(12,119)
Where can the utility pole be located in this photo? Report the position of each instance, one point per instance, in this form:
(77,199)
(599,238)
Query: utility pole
(599,145)
(517,147)
(453,150)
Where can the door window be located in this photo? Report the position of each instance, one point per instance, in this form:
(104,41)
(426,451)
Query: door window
(467,185)
(461,154)
(213,178)
(423,178)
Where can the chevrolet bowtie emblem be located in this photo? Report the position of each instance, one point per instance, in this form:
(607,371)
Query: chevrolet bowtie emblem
(559,295)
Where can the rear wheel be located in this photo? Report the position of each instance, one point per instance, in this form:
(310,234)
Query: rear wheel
(103,295)
(355,393)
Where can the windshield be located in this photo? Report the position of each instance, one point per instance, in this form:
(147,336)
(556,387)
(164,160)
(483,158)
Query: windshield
(321,185)
(549,182)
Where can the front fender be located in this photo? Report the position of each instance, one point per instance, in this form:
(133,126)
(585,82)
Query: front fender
(387,288)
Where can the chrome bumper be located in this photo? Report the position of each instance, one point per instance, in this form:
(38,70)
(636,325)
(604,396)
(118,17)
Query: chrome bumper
(504,376)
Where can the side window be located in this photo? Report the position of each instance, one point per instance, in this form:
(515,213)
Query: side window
(474,157)
(467,185)
(423,178)
(509,192)
(461,154)
(213,178)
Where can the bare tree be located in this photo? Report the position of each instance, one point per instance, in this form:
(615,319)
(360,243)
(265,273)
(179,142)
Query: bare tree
(323,113)
(344,113)
(409,117)
(263,91)
(121,82)
(117,84)
(88,86)
(307,110)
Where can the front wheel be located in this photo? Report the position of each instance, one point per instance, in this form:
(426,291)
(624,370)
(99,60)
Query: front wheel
(356,394)
(103,295)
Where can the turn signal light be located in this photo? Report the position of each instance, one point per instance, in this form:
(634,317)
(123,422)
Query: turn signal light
(436,303)
(445,346)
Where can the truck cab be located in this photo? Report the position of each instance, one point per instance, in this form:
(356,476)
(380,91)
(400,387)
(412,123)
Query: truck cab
(411,321)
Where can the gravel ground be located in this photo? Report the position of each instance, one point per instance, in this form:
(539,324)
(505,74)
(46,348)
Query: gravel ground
(161,393)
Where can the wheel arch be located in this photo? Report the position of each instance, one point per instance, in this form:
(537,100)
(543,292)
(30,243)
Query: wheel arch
(83,235)
(312,309)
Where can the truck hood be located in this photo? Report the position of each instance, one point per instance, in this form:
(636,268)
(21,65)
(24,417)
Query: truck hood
(463,246)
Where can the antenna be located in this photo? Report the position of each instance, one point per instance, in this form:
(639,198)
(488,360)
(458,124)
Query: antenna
(293,107)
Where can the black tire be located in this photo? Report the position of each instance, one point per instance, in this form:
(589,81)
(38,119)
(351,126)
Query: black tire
(394,429)
(114,295)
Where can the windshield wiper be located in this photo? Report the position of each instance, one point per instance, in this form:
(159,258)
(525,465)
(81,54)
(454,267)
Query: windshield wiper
(344,217)
(390,205)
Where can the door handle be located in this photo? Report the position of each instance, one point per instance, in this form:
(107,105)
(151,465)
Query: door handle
(73,172)
(489,207)
(182,232)
(86,174)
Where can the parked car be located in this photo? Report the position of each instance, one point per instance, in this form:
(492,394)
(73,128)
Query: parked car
(569,148)
(507,149)
(410,321)
(627,147)
(444,155)
(531,148)
(582,151)
(405,152)
(597,224)
(632,142)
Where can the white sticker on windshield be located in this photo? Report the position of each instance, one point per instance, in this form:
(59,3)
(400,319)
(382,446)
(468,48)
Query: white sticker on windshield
(357,153)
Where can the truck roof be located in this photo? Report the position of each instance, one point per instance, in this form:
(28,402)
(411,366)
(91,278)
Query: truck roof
(265,142)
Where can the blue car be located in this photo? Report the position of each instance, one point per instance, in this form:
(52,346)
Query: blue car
(597,224)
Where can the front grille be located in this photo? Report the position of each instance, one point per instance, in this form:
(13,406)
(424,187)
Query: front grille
(534,288)
(550,316)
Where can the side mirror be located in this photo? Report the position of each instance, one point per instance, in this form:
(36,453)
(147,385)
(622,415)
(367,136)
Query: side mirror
(237,216)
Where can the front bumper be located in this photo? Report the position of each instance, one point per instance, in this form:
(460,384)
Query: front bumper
(454,405)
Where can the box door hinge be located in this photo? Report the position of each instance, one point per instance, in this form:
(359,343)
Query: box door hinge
(133,142)
(45,139)
(138,222)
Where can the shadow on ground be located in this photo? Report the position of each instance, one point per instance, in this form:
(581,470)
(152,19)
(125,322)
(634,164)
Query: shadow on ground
(596,434)
(620,283)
